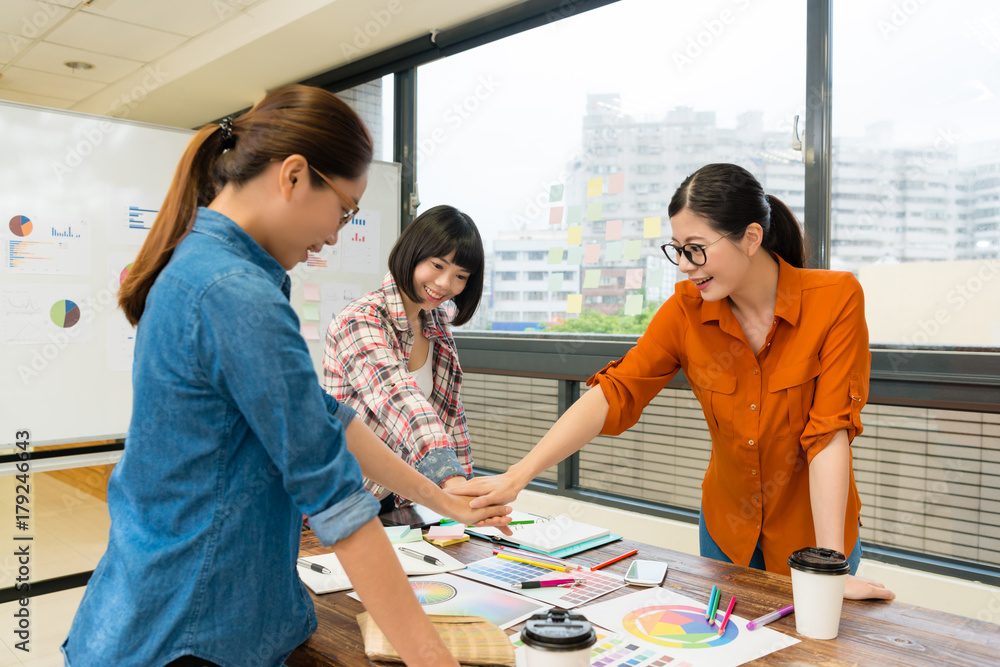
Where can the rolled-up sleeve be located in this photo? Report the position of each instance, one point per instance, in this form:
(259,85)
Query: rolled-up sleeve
(845,367)
(630,383)
(260,360)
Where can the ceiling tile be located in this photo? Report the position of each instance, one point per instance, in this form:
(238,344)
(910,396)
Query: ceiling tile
(115,38)
(43,83)
(45,57)
(38,100)
(7,48)
(184,17)
(29,19)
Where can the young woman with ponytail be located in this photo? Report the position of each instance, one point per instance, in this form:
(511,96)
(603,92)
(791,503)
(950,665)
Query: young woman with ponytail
(778,357)
(232,439)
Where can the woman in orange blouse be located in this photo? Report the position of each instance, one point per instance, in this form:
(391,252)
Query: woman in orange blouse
(778,357)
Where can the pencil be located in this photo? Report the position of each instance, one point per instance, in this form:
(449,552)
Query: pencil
(715,606)
(725,619)
(711,599)
(614,560)
(536,563)
(521,553)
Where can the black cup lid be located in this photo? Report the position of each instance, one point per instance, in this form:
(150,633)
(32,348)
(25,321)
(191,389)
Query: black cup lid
(558,630)
(819,561)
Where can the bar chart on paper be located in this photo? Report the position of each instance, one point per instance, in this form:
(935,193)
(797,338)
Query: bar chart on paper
(131,214)
(361,238)
(52,246)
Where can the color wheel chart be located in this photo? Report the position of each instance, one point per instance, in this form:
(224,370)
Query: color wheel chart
(503,573)
(678,626)
(432,592)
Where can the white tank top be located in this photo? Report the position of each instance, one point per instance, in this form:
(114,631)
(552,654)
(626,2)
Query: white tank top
(424,376)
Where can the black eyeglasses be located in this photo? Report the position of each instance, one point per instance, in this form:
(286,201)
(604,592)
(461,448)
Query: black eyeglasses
(695,252)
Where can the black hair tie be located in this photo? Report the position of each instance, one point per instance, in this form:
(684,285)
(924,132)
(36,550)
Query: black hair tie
(228,140)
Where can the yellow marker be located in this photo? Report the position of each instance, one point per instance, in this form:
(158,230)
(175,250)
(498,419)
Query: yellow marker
(548,566)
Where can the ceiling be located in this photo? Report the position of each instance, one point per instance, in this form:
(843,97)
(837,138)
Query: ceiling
(186,62)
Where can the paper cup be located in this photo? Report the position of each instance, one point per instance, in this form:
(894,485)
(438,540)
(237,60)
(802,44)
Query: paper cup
(818,578)
(557,638)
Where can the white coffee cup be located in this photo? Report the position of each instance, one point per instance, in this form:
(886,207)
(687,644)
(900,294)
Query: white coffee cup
(558,638)
(818,579)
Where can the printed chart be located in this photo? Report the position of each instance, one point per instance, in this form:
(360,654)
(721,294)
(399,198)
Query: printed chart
(32,314)
(360,240)
(663,621)
(131,213)
(53,247)
(503,573)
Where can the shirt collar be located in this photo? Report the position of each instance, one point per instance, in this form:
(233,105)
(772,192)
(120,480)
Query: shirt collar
(218,226)
(787,303)
(397,313)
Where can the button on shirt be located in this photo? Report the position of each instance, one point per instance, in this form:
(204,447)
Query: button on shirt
(231,441)
(769,413)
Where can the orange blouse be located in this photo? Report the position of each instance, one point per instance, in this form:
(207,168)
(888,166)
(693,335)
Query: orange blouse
(768,414)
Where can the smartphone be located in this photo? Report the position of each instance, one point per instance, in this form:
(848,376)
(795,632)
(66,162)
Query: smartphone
(646,573)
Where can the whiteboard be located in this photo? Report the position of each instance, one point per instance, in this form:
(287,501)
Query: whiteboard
(79,192)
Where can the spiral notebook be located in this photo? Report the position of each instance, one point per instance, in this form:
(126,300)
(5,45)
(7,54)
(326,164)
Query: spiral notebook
(550,534)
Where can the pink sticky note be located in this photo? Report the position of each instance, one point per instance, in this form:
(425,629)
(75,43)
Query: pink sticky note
(616,184)
(451,531)
(555,215)
(592,253)
(633,279)
(310,292)
(613,230)
(310,330)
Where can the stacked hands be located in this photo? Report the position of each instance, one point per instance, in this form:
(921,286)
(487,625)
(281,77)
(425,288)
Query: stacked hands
(487,508)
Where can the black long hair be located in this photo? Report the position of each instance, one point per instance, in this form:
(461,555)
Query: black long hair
(731,198)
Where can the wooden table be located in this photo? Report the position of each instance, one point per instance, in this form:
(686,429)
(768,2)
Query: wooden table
(871,632)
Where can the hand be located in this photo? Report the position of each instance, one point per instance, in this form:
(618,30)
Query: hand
(452,481)
(859,588)
(493,515)
(492,490)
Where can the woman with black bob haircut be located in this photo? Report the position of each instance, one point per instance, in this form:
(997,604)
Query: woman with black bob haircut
(390,355)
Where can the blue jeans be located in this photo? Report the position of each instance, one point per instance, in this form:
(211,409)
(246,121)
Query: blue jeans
(709,549)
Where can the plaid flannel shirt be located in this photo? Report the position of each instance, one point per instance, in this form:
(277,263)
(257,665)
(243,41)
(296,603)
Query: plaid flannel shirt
(368,347)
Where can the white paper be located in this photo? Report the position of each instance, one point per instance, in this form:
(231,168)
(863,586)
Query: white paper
(47,245)
(337,580)
(131,213)
(56,314)
(333,298)
(675,624)
(360,241)
(327,259)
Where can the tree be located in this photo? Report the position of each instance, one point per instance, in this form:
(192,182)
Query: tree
(591,321)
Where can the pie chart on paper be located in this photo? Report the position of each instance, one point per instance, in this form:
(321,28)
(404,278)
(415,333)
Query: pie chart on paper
(65,313)
(20,225)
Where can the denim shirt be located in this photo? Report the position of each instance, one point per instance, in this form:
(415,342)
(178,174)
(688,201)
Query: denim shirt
(231,441)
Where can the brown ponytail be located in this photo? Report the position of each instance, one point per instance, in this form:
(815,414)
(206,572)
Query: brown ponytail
(731,198)
(295,120)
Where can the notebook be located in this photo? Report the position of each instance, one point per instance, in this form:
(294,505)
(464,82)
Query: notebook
(557,533)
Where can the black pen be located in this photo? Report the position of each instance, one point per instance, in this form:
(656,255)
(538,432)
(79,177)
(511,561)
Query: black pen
(315,567)
(416,554)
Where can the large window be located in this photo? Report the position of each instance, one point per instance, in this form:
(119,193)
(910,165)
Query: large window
(565,143)
(916,167)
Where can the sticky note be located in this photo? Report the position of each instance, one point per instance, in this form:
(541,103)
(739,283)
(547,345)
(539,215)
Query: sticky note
(595,211)
(613,251)
(310,331)
(556,281)
(616,184)
(452,531)
(592,253)
(654,276)
(633,279)
(310,292)
(555,215)
(574,304)
(595,186)
(556,192)
(310,311)
(574,235)
(592,278)
(633,304)
(402,534)
(574,214)
(613,230)
(555,254)
(651,228)
(632,249)
(574,255)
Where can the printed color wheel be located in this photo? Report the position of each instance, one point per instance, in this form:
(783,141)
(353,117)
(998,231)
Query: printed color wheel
(433,592)
(678,626)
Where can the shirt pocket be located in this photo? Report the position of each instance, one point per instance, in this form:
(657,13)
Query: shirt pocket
(797,383)
(716,392)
